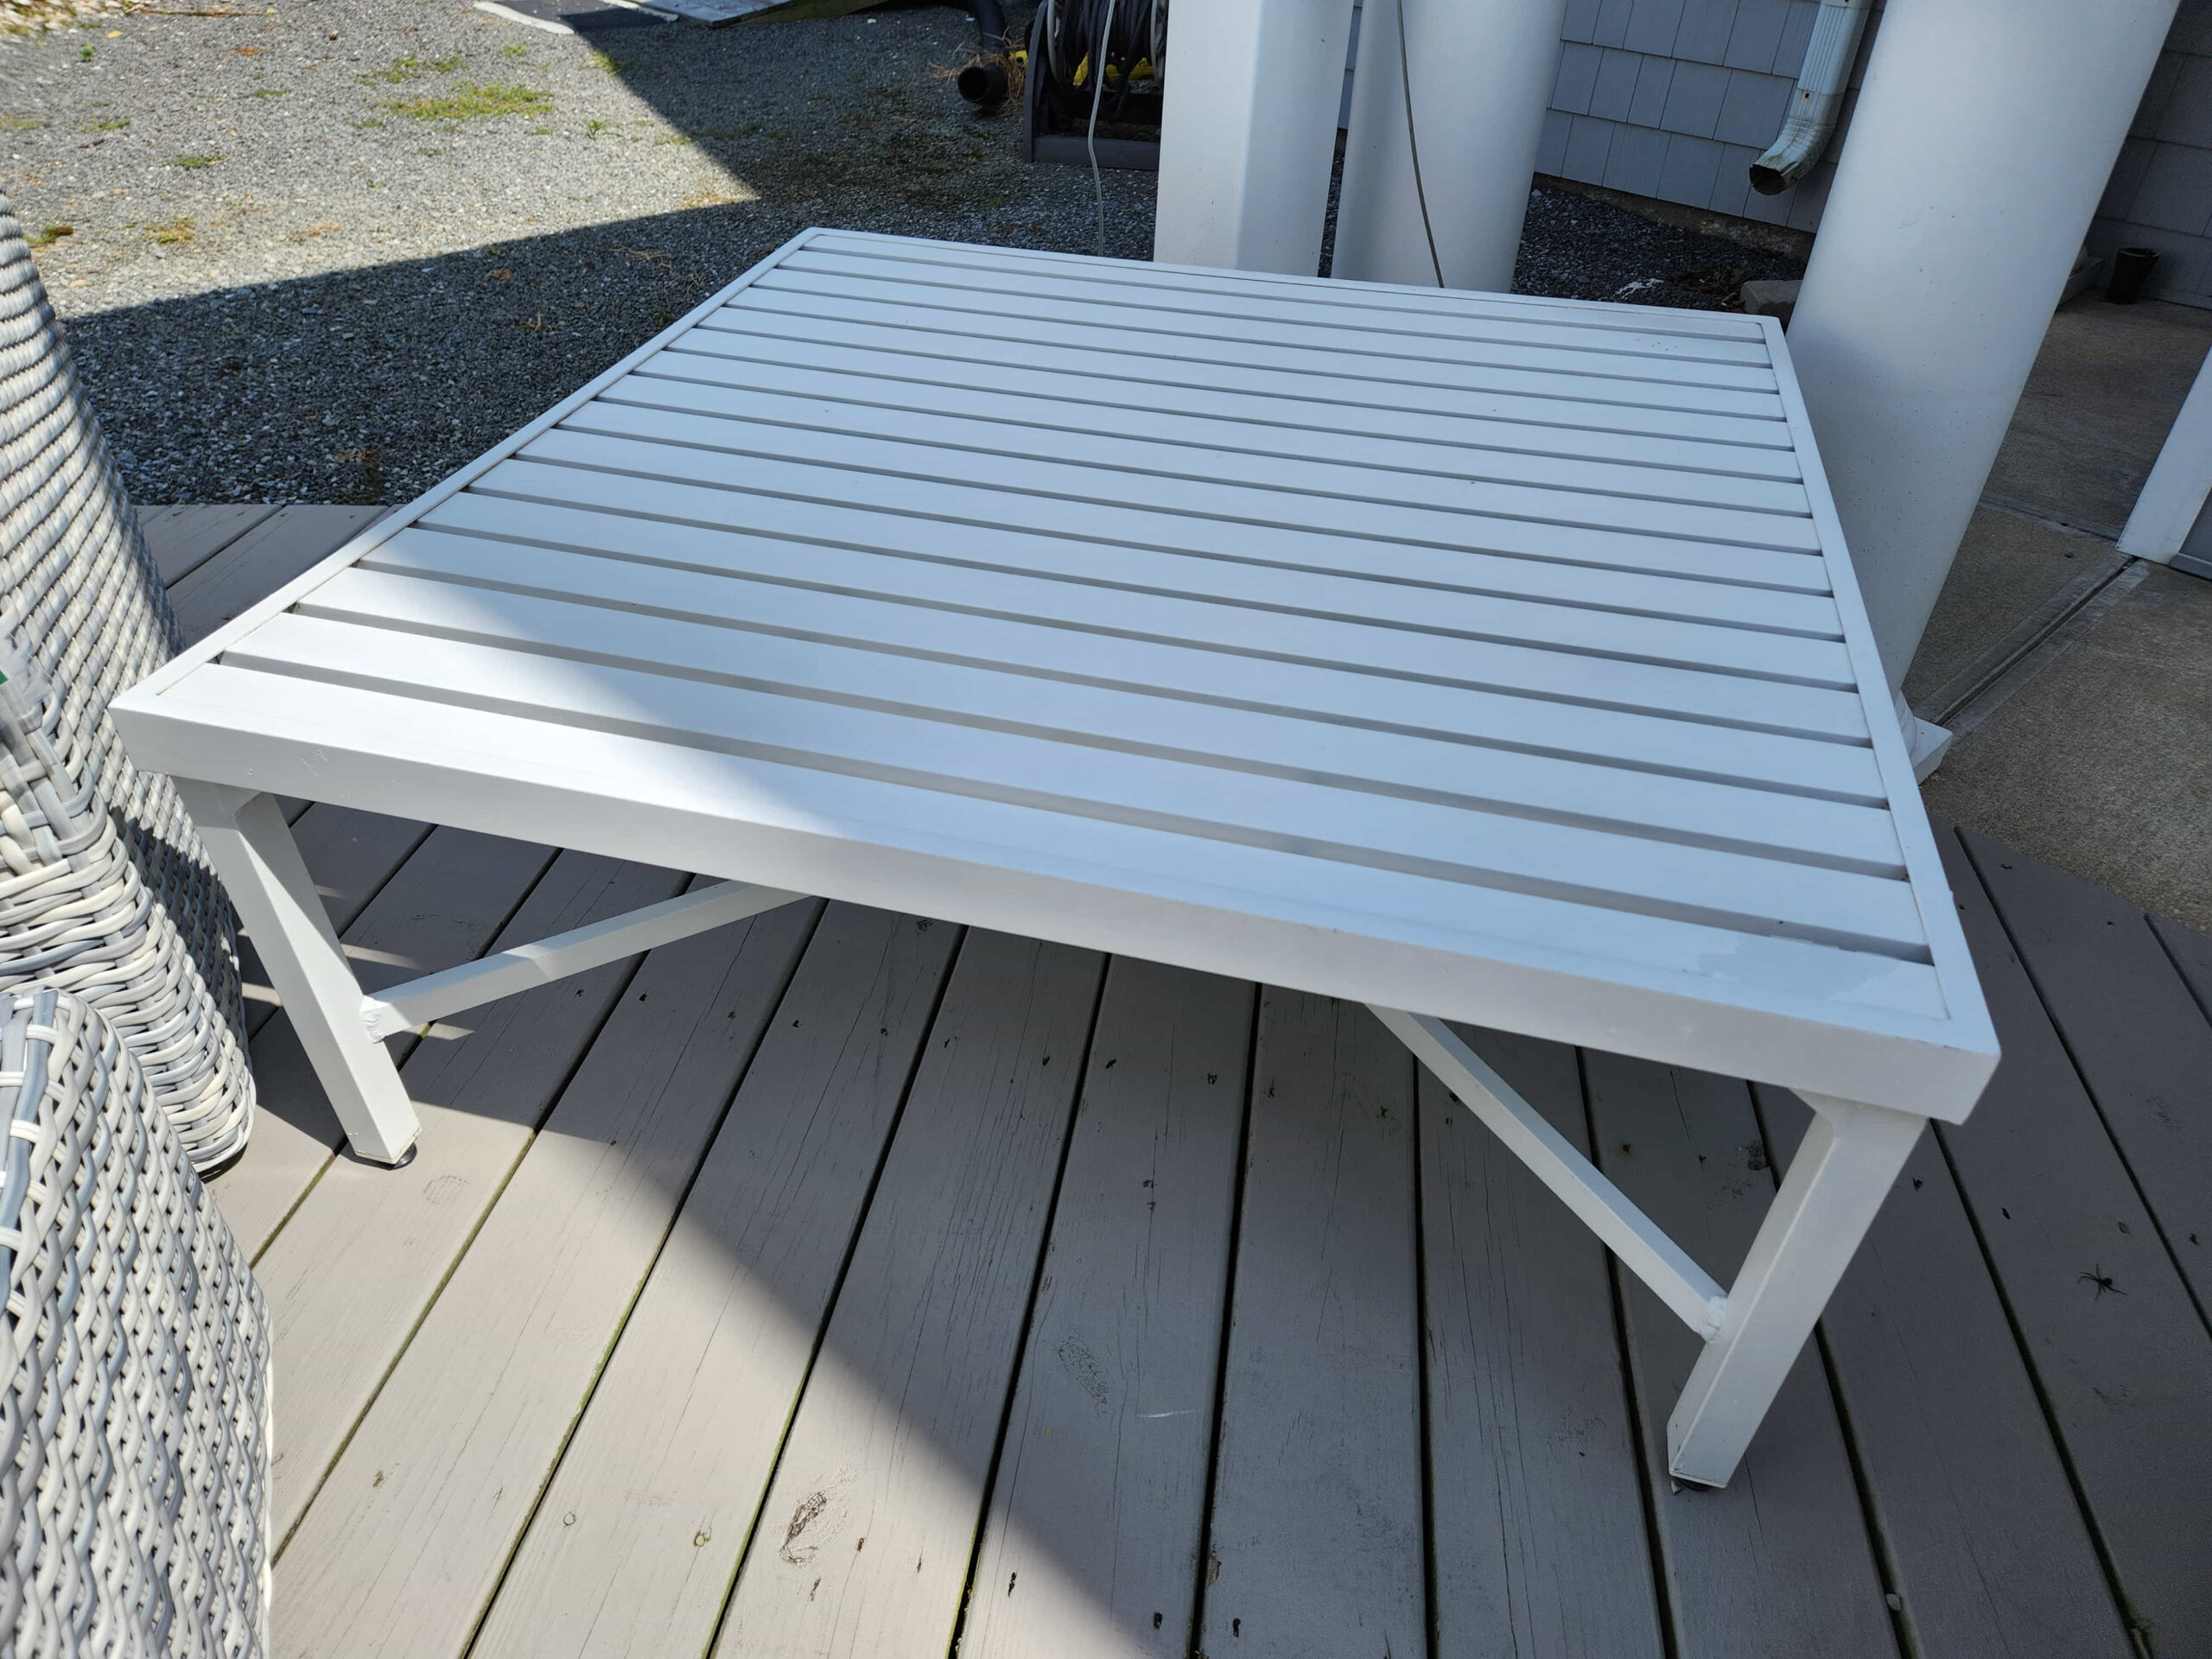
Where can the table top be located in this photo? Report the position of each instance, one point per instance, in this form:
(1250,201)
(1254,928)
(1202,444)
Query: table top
(1488,656)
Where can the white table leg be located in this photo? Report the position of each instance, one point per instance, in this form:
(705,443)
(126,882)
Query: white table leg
(1836,1184)
(252,848)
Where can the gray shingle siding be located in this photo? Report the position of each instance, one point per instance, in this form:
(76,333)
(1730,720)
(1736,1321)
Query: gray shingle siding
(1682,93)
(1675,98)
(2161,191)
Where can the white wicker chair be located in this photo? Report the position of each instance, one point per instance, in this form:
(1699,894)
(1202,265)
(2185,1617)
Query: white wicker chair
(135,1425)
(106,893)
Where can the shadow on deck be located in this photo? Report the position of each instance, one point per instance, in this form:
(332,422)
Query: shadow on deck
(841,1282)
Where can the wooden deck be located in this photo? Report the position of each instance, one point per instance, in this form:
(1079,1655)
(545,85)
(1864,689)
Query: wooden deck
(848,1283)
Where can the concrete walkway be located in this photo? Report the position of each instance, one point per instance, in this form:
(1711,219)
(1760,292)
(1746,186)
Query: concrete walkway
(2080,682)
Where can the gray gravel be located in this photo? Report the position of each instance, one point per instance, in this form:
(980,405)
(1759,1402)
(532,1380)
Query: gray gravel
(1575,248)
(292,274)
(368,297)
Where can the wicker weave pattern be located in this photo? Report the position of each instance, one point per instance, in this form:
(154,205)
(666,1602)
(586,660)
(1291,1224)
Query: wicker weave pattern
(135,1429)
(82,607)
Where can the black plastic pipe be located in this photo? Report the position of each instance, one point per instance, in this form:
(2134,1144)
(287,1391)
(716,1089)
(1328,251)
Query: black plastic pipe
(984,83)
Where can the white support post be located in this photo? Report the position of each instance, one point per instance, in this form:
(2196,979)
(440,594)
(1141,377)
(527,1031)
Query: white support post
(2174,495)
(1249,133)
(251,846)
(1983,136)
(1684,1287)
(1479,78)
(1836,1186)
(506,973)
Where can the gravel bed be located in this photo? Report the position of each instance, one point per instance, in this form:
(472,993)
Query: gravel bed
(299,266)
(1575,248)
(348,300)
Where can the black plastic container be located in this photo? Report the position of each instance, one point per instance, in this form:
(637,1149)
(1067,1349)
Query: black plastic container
(2131,268)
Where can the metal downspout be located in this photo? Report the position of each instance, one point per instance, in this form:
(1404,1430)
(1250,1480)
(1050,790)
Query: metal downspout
(1818,100)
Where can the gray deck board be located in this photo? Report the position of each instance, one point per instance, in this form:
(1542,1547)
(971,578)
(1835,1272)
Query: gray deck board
(410,1535)
(359,1259)
(1316,1539)
(266,557)
(2192,959)
(1956,1449)
(2018,1453)
(633,1548)
(2116,1345)
(1780,1562)
(183,539)
(2132,1029)
(1537,1505)
(864,1544)
(1121,1371)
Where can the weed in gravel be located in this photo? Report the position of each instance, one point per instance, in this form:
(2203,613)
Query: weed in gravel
(673,138)
(176,231)
(85,53)
(52,235)
(614,65)
(112,123)
(593,128)
(20,123)
(411,67)
(271,91)
(193,163)
(517,50)
(373,120)
(474,102)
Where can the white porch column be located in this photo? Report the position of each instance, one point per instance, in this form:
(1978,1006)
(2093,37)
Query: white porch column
(1250,131)
(1983,137)
(1480,74)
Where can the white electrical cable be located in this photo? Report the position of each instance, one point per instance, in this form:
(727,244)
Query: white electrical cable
(1090,142)
(1421,194)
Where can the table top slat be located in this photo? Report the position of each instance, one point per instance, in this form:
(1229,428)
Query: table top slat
(1084,390)
(1281,743)
(1074,611)
(1673,358)
(1424,301)
(1581,493)
(1638,740)
(1200,339)
(1177,360)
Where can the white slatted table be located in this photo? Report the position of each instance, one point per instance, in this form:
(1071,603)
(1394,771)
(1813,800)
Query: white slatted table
(1479,658)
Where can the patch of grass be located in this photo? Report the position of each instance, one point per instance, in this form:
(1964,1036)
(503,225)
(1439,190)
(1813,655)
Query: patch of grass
(271,91)
(22,123)
(85,53)
(614,65)
(411,67)
(193,163)
(176,231)
(112,123)
(673,138)
(373,120)
(593,128)
(518,50)
(52,235)
(476,102)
